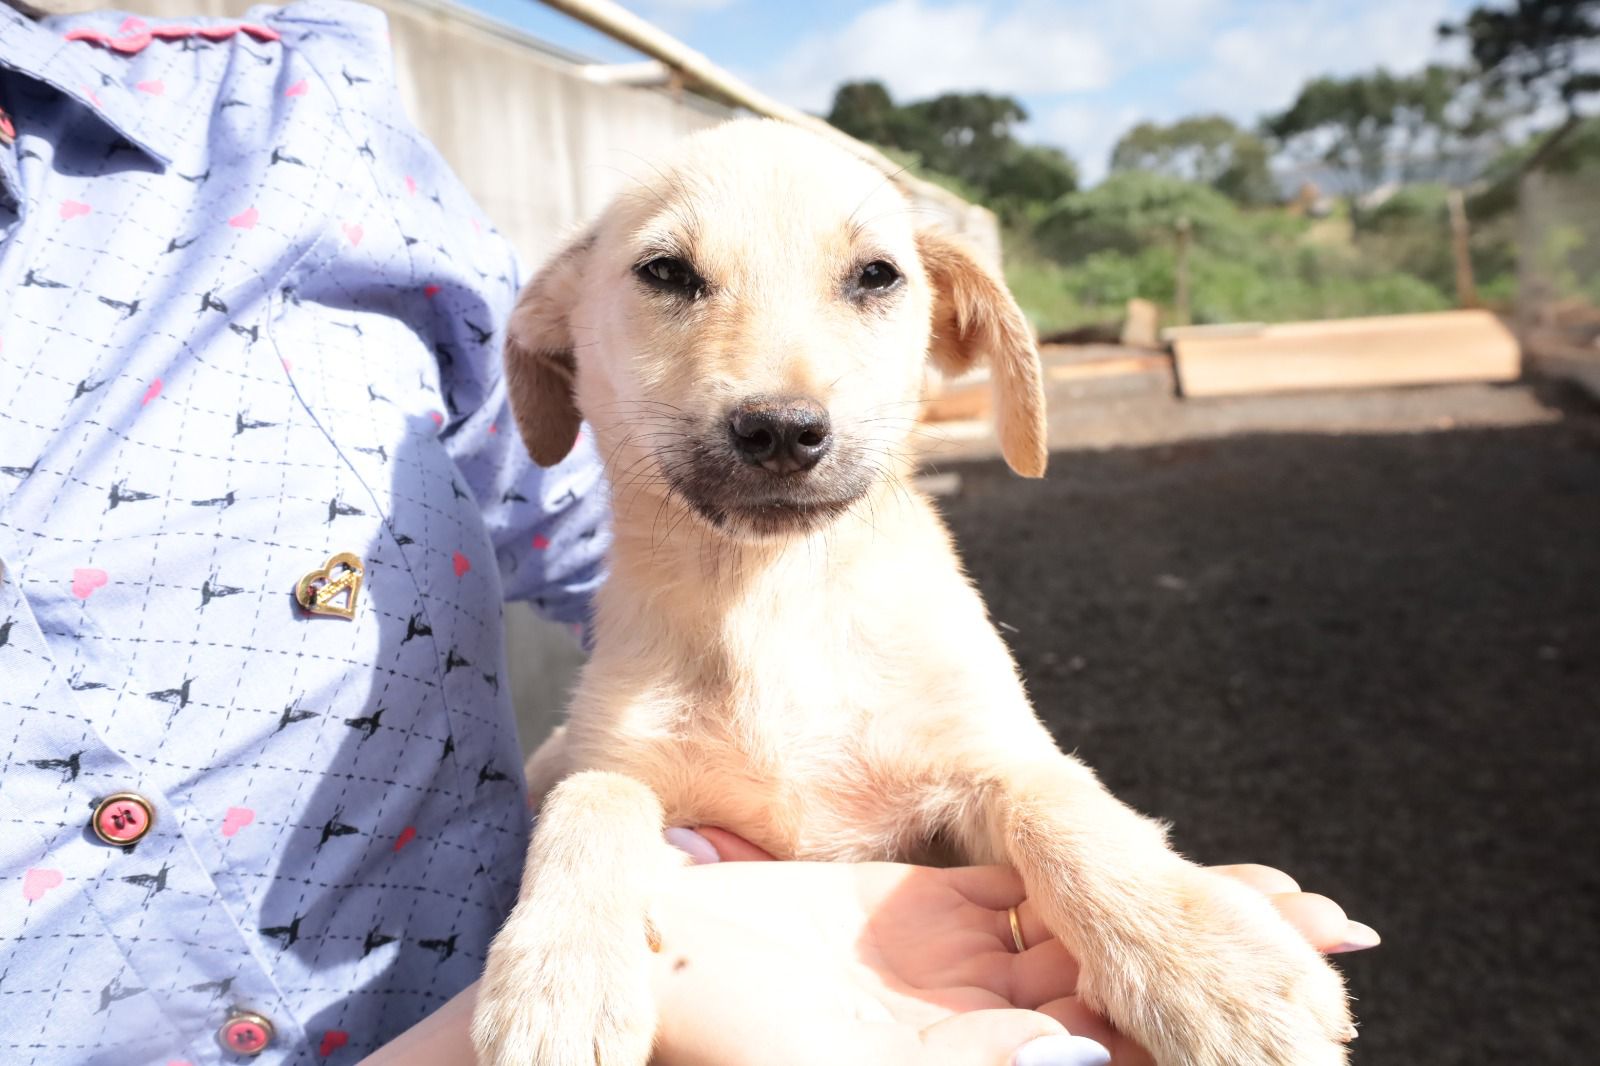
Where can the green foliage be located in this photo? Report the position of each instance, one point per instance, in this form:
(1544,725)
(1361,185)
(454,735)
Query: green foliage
(1076,256)
(1131,209)
(1543,46)
(1370,127)
(967,136)
(1208,149)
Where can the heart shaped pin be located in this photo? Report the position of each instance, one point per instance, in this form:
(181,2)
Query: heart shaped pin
(333,588)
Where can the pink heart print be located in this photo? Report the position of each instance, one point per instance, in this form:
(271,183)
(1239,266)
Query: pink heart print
(245,219)
(461,563)
(36,882)
(151,393)
(236,819)
(407,835)
(297,89)
(332,1041)
(155,87)
(353,232)
(71,209)
(540,541)
(86,579)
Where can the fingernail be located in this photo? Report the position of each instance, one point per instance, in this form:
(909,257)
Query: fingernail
(1061,1049)
(1357,937)
(696,846)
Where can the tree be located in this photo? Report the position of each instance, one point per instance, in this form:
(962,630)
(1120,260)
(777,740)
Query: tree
(968,136)
(865,111)
(1371,128)
(1545,46)
(1031,174)
(1132,210)
(1209,149)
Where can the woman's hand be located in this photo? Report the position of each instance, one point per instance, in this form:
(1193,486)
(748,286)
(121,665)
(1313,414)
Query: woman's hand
(835,964)
(880,962)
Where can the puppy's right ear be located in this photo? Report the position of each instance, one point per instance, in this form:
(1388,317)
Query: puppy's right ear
(540,370)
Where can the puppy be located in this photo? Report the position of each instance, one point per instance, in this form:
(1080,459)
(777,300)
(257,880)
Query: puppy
(787,646)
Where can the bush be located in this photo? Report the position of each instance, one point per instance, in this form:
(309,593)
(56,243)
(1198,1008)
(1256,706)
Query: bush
(1130,210)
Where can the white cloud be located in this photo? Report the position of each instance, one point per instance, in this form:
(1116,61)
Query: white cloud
(1087,70)
(918,49)
(1257,65)
(1088,132)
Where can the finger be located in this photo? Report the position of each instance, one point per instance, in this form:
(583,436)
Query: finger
(1080,1020)
(732,848)
(1041,974)
(994,887)
(1319,919)
(1034,931)
(1006,1038)
(1357,937)
(1264,879)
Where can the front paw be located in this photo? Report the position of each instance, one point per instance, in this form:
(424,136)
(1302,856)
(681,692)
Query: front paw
(555,994)
(1220,978)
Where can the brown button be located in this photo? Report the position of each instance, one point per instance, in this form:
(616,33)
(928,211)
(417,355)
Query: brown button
(245,1033)
(124,818)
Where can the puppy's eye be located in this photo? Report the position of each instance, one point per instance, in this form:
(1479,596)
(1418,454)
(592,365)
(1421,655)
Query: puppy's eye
(877,275)
(670,274)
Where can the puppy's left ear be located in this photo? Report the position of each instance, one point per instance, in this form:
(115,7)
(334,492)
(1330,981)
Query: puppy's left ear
(540,369)
(975,318)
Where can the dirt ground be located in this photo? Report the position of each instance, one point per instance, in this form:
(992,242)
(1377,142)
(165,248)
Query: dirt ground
(1366,650)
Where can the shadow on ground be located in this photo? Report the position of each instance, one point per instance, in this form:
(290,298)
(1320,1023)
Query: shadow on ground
(1373,661)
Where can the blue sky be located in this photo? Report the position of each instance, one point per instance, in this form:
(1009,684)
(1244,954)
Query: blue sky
(1085,70)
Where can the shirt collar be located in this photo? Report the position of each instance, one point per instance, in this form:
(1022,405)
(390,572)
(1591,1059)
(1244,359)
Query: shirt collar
(84,72)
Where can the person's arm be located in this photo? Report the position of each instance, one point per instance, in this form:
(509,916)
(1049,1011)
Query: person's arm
(832,964)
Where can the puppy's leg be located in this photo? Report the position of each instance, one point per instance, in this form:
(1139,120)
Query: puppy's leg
(567,981)
(546,767)
(1199,969)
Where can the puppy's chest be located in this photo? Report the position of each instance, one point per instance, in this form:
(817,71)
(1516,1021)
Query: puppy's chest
(812,792)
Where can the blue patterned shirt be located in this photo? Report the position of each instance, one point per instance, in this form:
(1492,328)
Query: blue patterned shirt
(249,321)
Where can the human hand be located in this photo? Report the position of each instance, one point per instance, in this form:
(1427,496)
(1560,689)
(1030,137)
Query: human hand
(881,962)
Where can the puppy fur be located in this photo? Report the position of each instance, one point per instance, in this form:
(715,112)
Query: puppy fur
(798,656)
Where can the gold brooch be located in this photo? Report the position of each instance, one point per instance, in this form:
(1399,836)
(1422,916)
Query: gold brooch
(332,588)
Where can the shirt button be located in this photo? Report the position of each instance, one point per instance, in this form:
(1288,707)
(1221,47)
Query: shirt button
(123,819)
(245,1033)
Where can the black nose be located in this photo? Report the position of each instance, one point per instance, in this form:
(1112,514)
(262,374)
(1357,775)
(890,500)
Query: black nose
(784,436)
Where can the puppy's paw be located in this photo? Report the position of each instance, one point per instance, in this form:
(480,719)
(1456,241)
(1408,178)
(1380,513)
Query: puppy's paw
(551,998)
(1222,979)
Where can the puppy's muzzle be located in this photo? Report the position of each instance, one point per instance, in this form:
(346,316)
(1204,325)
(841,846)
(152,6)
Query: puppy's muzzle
(782,436)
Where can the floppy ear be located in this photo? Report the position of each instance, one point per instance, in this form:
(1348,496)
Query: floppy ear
(540,369)
(975,318)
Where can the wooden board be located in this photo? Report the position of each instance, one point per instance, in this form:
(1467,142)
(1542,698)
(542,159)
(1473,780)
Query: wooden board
(1445,346)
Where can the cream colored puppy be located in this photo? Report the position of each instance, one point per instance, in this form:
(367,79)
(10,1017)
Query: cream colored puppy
(787,646)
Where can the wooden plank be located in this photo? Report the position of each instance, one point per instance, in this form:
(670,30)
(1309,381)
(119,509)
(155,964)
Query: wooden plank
(1125,366)
(1421,349)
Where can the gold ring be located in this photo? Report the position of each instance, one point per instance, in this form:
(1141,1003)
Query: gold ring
(1016,931)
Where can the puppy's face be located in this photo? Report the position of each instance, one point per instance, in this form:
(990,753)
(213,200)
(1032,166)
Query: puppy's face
(748,332)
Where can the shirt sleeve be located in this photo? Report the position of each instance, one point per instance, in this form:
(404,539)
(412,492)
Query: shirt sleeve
(549,527)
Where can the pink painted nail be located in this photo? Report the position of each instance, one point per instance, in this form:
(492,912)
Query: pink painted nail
(698,848)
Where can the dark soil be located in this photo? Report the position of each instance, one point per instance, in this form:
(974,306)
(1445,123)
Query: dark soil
(1372,661)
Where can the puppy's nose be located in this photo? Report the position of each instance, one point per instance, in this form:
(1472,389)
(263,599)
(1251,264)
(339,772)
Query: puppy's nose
(783,436)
